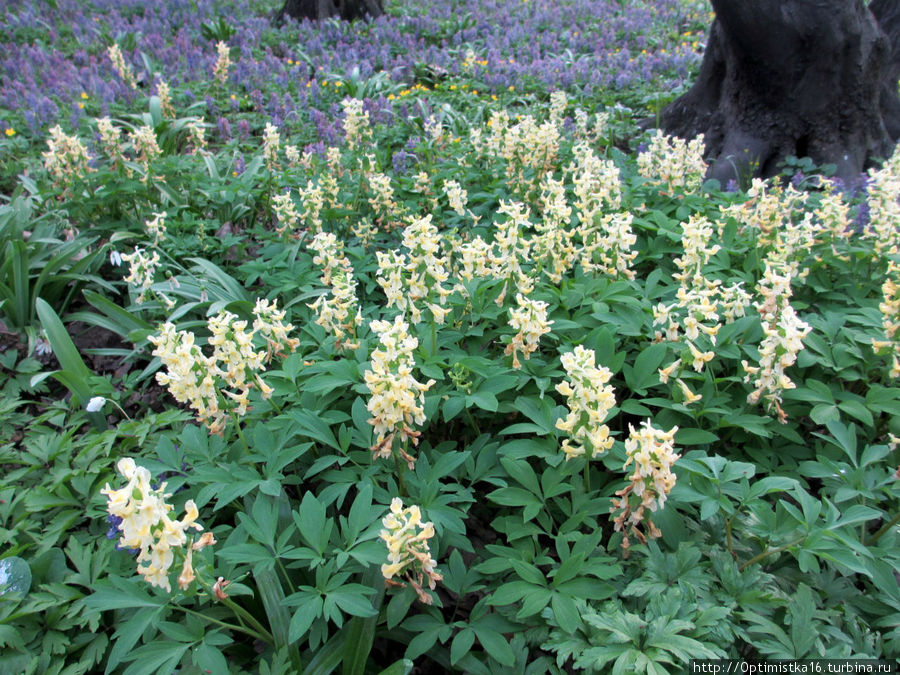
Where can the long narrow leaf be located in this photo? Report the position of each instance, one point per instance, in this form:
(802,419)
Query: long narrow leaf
(272,596)
(361,630)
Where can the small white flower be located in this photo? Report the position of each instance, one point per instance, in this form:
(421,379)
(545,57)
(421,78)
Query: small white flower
(115,258)
(95,404)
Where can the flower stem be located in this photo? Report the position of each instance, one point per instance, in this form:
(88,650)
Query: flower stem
(225,624)
(771,551)
(240,433)
(887,526)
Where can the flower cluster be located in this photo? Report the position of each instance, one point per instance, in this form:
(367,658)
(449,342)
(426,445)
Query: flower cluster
(143,517)
(111,139)
(339,314)
(529,318)
(554,250)
(784,333)
(398,399)
(146,147)
(884,207)
(142,272)
(285,213)
(652,451)
(409,557)
(357,129)
(271,146)
(612,243)
(456,196)
(156,227)
(196,129)
(165,99)
(415,281)
(590,398)
(66,158)
(218,385)
(890,316)
(123,69)
(313,199)
(223,62)
(673,163)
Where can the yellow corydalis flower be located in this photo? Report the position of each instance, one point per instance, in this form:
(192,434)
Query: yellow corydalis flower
(784,333)
(652,451)
(673,163)
(357,130)
(223,62)
(144,519)
(338,312)
(271,146)
(590,399)
(218,385)
(398,399)
(66,157)
(409,558)
(529,318)
(118,63)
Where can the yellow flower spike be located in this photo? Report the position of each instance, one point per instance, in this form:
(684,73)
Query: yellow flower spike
(409,558)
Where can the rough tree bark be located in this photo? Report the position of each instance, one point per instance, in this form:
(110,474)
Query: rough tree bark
(323,9)
(810,78)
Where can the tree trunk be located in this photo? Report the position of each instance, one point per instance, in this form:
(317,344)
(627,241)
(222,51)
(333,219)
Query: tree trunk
(323,9)
(810,78)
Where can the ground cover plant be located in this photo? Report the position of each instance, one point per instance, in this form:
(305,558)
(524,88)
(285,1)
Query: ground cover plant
(397,347)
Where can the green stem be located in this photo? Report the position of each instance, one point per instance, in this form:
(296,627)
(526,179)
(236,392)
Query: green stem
(271,402)
(887,526)
(433,338)
(224,624)
(768,552)
(401,471)
(587,475)
(249,618)
(285,575)
(240,433)
(728,538)
(472,421)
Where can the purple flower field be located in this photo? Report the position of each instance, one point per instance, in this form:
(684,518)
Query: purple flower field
(54,67)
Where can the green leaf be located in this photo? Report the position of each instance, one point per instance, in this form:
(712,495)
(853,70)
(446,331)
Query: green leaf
(128,634)
(313,426)
(158,656)
(401,667)
(694,437)
(361,629)
(15,576)
(495,645)
(484,400)
(272,596)
(310,610)
(528,572)
(566,613)
(66,353)
(462,643)
(569,569)
(124,596)
(351,600)
(771,484)
(311,522)
(522,473)
(209,659)
(857,410)
(645,373)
